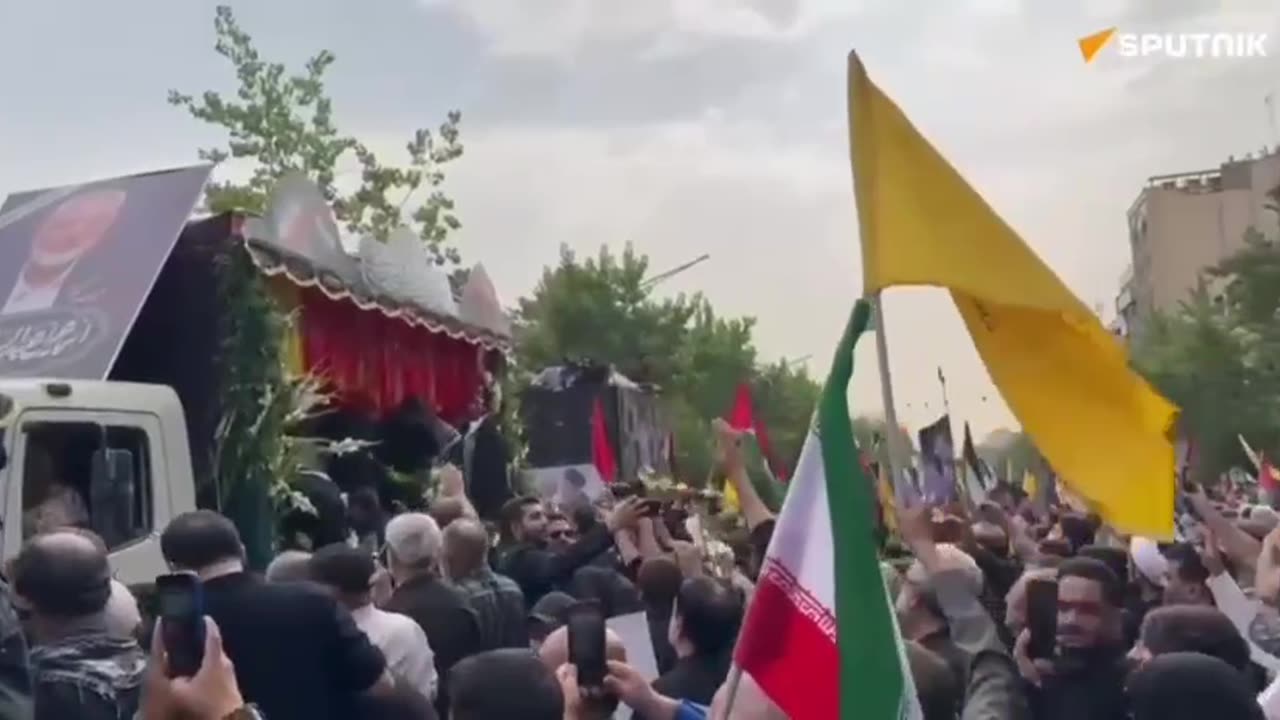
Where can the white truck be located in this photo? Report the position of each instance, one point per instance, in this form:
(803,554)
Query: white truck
(122,447)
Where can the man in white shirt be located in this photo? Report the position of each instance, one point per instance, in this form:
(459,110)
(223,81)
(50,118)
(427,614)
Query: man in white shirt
(348,572)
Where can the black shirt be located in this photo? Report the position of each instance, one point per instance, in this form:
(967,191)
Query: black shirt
(297,653)
(695,678)
(538,571)
(445,615)
(1084,684)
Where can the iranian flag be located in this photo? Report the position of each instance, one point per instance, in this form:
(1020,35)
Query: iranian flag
(820,637)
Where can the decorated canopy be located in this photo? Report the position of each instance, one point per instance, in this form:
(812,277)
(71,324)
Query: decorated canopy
(385,323)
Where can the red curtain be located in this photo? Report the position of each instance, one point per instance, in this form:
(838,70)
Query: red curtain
(376,361)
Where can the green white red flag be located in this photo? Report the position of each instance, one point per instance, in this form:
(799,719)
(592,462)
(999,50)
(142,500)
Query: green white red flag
(820,638)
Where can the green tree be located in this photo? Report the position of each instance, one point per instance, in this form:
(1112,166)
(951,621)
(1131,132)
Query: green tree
(786,397)
(872,431)
(1216,357)
(283,121)
(600,308)
(1010,455)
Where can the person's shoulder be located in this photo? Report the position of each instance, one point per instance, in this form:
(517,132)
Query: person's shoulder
(451,595)
(506,584)
(397,622)
(299,599)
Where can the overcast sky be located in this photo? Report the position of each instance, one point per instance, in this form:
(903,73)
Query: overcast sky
(690,126)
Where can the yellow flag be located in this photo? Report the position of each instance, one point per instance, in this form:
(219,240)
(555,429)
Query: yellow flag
(1064,375)
(730,497)
(888,509)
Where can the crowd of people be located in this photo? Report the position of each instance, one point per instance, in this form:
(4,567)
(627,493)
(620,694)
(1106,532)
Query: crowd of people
(1135,628)
(433,614)
(441,614)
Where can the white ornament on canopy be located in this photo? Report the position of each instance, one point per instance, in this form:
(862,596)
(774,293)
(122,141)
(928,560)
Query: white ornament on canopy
(479,304)
(402,269)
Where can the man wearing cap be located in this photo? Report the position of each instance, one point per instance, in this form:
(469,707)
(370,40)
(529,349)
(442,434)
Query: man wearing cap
(549,614)
(78,668)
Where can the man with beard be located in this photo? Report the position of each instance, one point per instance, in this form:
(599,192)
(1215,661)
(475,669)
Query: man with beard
(524,555)
(560,532)
(1085,677)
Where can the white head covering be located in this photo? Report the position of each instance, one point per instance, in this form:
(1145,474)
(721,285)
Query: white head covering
(1148,560)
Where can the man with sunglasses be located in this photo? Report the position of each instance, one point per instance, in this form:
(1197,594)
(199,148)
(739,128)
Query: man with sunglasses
(526,555)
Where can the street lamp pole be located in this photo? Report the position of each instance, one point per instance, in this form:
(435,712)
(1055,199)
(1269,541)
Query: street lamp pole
(650,282)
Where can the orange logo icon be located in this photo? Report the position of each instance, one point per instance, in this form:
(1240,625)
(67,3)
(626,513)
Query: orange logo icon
(1090,45)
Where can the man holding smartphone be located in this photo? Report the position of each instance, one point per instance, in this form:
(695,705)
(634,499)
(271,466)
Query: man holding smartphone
(297,653)
(1085,676)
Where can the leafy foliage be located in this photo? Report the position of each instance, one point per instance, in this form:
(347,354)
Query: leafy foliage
(284,122)
(250,437)
(1012,457)
(600,308)
(1217,355)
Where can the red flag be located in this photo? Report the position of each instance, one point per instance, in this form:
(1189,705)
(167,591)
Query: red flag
(601,448)
(1267,475)
(743,417)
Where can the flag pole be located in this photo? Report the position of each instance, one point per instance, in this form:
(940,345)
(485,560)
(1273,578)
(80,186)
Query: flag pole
(946,404)
(896,452)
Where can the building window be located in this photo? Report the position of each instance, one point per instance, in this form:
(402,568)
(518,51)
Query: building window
(90,476)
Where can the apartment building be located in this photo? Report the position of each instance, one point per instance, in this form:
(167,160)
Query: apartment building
(1182,224)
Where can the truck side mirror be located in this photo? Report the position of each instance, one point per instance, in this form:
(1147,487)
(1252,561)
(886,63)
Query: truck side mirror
(111,495)
(4,458)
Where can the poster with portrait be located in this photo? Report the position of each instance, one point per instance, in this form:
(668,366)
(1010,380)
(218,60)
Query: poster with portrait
(77,264)
(566,485)
(938,462)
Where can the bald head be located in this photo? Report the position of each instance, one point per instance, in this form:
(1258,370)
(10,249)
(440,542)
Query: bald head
(554,652)
(289,566)
(466,547)
(63,574)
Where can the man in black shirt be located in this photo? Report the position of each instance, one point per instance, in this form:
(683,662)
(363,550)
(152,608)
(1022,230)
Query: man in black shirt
(525,557)
(297,653)
(414,547)
(703,628)
(497,600)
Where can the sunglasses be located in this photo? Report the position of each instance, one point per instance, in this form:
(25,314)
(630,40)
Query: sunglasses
(561,534)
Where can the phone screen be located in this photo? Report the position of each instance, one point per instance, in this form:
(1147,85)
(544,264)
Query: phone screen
(1042,617)
(586,643)
(180,598)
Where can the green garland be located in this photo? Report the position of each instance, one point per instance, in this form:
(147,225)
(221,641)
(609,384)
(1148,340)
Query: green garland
(255,396)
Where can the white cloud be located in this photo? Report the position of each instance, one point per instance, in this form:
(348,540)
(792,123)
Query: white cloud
(1059,148)
(562,28)
(690,126)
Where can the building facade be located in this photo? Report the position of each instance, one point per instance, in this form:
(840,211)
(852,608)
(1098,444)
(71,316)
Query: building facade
(1183,224)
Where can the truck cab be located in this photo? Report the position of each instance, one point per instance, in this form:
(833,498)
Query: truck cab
(111,457)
